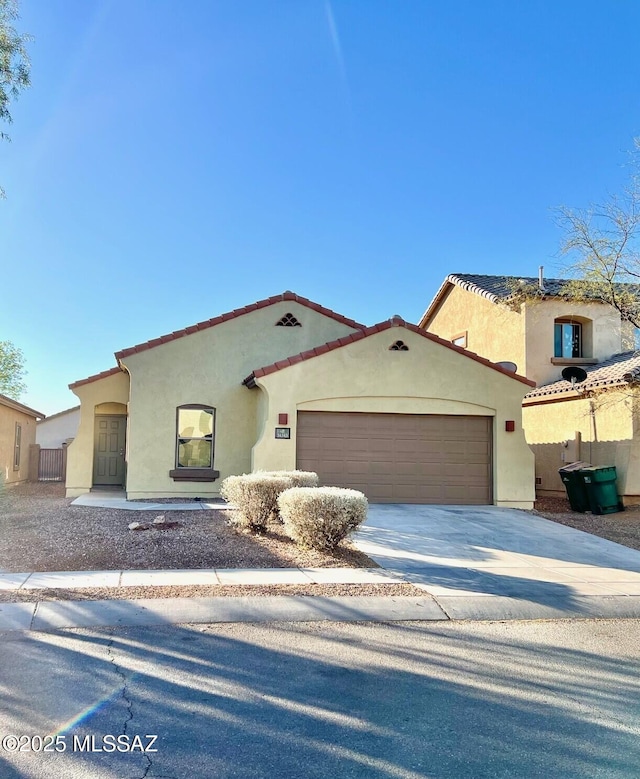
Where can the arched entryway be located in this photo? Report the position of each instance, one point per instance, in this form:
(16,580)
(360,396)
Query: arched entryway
(109,442)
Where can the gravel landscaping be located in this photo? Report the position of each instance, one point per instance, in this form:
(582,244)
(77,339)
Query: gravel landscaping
(215,591)
(622,527)
(41,531)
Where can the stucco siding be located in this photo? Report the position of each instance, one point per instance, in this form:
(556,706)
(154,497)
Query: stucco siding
(52,432)
(601,334)
(495,332)
(599,431)
(208,367)
(428,379)
(8,419)
(526,338)
(108,396)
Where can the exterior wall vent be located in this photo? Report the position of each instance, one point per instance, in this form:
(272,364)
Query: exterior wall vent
(288,320)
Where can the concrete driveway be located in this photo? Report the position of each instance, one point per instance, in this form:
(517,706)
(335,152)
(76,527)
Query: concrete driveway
(491,563)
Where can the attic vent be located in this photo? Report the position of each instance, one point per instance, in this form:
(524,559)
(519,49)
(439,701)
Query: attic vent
(288,320)
(399,346)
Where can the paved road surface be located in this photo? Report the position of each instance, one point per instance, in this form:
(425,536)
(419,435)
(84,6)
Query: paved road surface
(286,701)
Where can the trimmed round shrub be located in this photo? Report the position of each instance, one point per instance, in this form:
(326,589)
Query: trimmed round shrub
(255,496)
(321,517)
(298,478)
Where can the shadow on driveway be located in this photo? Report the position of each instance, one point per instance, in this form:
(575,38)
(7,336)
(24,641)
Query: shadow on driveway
(491,551)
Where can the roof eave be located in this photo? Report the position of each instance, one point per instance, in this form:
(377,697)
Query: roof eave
(17,406)
(250,381)
(96,377)
(435,303)
(286,296)
(576,394)
(369,331)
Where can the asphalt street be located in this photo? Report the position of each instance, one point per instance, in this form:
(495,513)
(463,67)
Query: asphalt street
(467,699)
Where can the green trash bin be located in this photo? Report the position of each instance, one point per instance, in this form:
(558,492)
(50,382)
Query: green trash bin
(600,485)
(575,486)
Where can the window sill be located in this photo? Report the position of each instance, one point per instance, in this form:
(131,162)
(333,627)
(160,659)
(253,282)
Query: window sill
(574,361)
(194,474)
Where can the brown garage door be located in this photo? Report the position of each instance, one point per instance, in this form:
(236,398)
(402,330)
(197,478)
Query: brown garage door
(399,458)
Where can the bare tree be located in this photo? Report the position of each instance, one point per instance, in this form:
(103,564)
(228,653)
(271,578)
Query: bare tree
(602,247)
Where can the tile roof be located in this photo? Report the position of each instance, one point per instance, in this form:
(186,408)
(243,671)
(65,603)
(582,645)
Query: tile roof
(620,370)
(285,296)
(16,406)
(96,377)
(497,288)
(395,321)
(501,287)
(61,413)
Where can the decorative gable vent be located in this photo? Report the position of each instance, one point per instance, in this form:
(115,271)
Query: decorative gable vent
(288,320)
(399,346)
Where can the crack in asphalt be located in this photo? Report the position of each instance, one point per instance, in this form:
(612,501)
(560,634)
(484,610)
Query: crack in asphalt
(128,701)
(124,693)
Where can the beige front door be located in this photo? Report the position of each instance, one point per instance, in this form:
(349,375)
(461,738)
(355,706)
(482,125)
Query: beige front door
(109,449)
(399,458)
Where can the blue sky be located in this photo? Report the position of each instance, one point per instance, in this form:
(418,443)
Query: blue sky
(175,160)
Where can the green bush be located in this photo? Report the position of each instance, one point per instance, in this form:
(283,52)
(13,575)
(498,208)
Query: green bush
(321,517)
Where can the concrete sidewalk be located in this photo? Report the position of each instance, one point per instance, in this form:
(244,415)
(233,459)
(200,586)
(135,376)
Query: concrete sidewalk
(192,577)
(55,615)
(117,499)
(472,563)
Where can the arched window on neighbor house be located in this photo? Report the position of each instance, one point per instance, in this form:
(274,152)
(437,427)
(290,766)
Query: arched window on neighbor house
(572,337)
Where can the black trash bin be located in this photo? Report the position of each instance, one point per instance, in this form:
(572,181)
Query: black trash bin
(600,485)
(575,486)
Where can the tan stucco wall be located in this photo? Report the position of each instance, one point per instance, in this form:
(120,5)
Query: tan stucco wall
(429,378)
(599,431)
(113,392)
(601,336)
(495,332)
(208,367)
(8,419)
(527,338)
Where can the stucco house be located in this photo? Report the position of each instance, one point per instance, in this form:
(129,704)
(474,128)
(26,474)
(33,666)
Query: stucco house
(17,433)
(595,420)
(389,409)
(58,429)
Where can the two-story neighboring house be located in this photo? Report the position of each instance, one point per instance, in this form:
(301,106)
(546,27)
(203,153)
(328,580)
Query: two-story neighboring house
(595,420)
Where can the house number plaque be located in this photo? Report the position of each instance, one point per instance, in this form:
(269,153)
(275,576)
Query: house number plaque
(283,432)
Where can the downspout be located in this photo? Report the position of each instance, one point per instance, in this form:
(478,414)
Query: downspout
(124,369)
(594,429)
